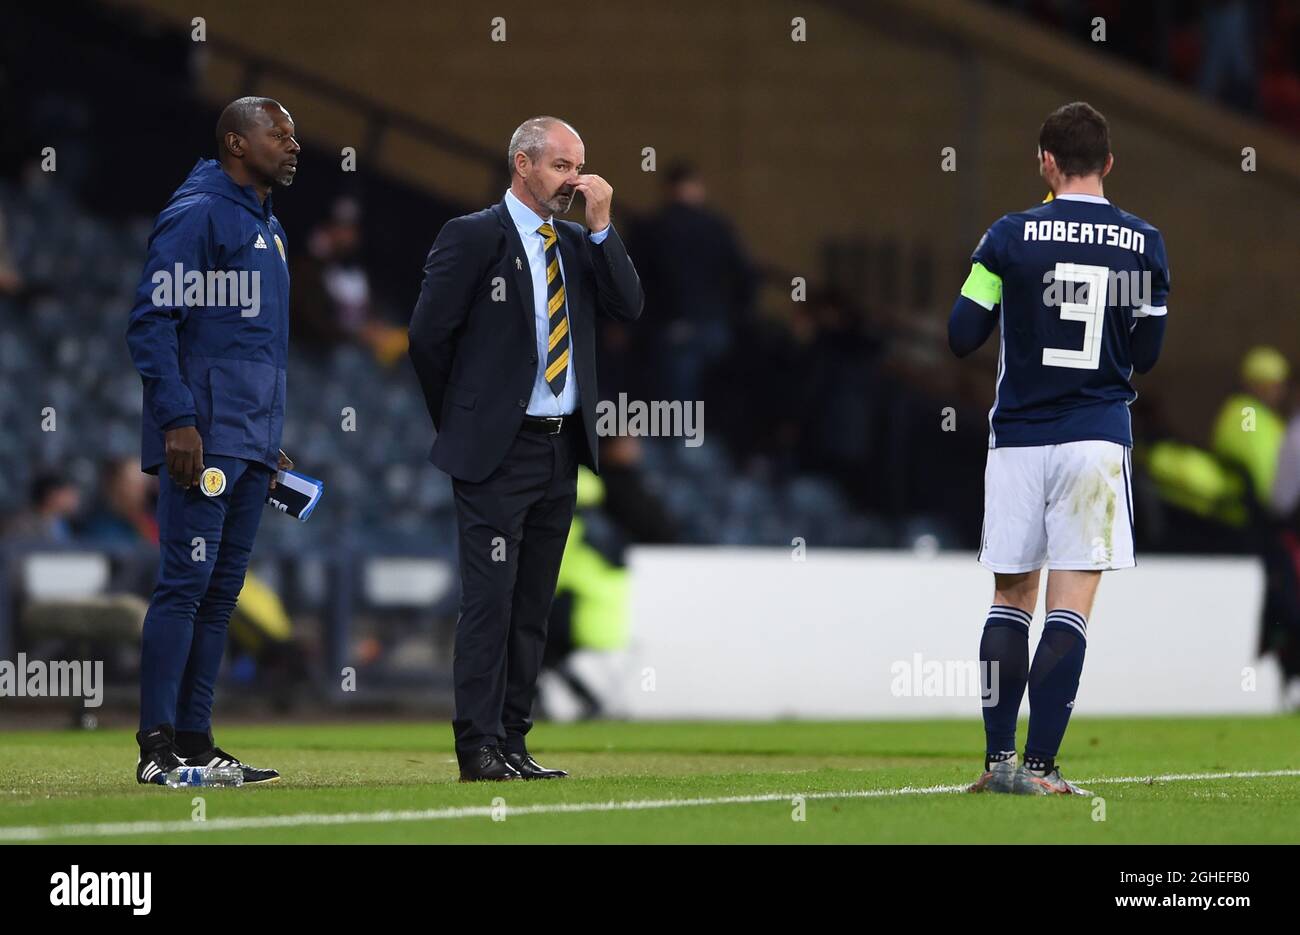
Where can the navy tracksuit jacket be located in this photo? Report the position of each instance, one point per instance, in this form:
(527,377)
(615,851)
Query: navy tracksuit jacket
(209,334)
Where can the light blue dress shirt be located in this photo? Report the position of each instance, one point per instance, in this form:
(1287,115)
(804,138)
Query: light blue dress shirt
(544,402)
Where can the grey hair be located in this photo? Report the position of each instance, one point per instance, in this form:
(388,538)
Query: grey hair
(530,138)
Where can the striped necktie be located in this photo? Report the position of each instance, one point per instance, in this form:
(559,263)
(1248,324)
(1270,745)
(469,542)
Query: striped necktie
(557,353)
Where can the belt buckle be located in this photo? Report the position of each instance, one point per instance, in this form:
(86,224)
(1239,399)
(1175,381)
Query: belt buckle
(558,422)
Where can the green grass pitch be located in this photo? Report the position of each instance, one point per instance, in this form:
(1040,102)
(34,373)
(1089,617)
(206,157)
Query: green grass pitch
(365,782)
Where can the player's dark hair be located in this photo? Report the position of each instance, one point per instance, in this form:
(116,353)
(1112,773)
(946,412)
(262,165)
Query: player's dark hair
(1078,136)
(240,116)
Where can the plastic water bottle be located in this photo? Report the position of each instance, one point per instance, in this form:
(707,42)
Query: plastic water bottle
(183,776)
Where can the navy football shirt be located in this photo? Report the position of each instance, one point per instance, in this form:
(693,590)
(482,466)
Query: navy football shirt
(1072,275)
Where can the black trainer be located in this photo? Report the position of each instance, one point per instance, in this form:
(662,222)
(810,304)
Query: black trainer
(157,755)
(218,757)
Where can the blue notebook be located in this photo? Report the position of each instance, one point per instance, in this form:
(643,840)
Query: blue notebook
(295,494)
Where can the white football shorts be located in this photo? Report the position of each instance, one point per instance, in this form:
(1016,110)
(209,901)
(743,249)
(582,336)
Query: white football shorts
(1069,506)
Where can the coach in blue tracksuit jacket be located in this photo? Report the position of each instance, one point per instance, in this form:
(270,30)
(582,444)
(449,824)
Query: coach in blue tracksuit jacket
(209,334)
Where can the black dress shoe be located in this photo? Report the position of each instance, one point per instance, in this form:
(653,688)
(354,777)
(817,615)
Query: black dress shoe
(529,768)
(484,765)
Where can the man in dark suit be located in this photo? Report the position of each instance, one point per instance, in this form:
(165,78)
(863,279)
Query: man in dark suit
(503,341)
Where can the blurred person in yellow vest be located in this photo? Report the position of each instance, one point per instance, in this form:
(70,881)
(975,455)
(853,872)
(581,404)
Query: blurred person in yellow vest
(264,654)
(1249,429)
(1208,496)
(1196,481)
(591,601)
(600,613)
(592,609)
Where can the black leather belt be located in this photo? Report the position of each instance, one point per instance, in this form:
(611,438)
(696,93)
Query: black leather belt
(546,425)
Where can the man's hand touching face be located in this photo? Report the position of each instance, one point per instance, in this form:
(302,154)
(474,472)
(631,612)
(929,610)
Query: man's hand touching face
(597,194)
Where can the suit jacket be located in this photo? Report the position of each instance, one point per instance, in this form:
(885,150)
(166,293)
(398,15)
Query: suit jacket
(476,355)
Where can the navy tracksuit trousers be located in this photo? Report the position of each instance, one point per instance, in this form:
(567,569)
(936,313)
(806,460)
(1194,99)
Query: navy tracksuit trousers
(205,543)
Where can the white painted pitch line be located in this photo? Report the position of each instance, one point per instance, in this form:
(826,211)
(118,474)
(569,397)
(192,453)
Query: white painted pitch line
(127,828)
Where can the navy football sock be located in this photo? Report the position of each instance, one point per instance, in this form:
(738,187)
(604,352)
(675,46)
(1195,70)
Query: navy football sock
(193,742)
(1053,683)
(1006,643)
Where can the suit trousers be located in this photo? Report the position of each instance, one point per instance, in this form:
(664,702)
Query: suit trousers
(513,527)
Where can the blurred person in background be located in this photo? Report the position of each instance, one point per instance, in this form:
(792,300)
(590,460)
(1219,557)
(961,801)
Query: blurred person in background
(1280,634)
(1248,430)
(1227,71)
(1285,498)
(591,609)
(123,512)
(820,417)
(634,510)
(1237,53)
(48,518)
(1248,438)
(11,281)
(264,654)
(830,398)
(331,296)
(1279,81)
(699,285)
(592,604)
